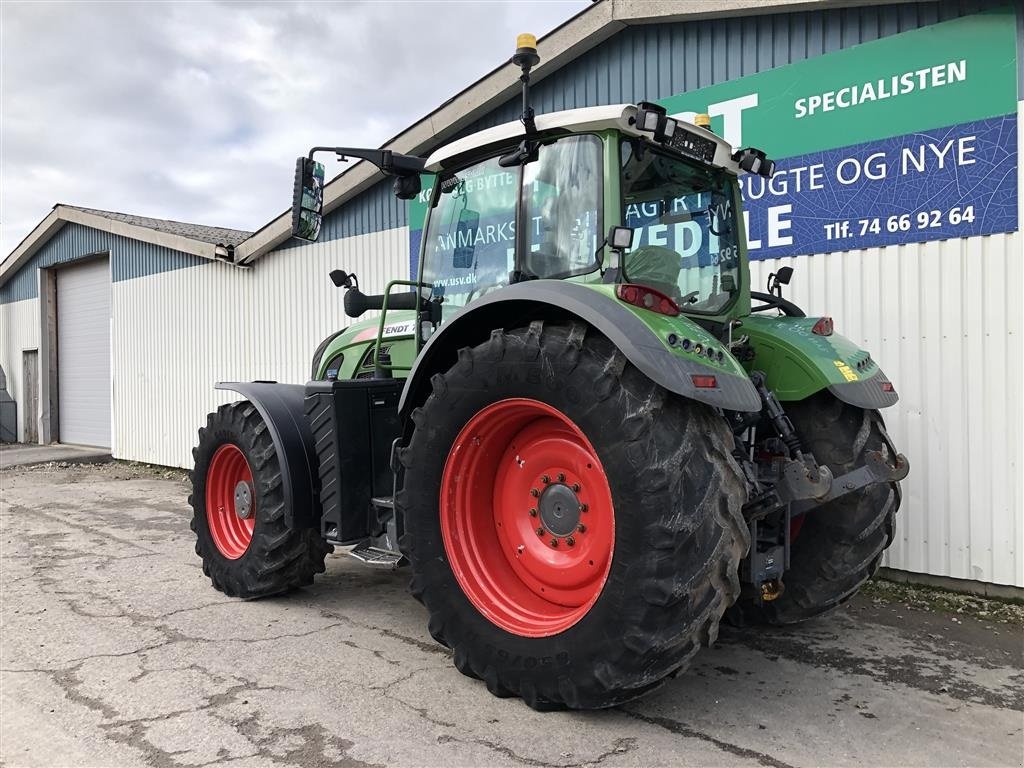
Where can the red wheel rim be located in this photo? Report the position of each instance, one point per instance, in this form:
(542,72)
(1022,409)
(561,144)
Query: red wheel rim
(527,517)
(231,531)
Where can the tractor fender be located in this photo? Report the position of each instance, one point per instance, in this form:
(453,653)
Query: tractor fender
(518,304)
(282,407)
(798,363)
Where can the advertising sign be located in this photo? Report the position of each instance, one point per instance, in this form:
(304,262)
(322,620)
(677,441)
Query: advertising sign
(905,139)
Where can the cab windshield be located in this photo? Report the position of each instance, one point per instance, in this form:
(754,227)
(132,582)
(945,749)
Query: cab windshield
(684,218)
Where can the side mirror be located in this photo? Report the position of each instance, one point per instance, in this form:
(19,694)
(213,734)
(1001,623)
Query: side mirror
(308,199)
(465,238)
(784,275)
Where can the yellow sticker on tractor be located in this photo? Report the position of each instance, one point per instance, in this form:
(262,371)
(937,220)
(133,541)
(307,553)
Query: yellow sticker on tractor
(848,373)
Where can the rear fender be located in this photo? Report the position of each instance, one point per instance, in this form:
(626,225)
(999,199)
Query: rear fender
(642,336)
(282,407)
(797,363)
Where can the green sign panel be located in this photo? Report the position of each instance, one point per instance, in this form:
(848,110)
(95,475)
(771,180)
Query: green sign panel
(955,72)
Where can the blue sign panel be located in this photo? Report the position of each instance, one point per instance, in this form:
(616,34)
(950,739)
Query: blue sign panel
(950,182)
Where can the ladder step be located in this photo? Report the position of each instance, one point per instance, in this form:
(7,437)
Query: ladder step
(375,555)
(384,502)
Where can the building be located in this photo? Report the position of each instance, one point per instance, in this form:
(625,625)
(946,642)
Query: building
(912,108)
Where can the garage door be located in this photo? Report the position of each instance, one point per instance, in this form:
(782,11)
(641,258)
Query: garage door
(83,353)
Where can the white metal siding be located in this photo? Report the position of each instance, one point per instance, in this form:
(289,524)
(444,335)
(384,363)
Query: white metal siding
(19,330)
(943,319)
(83,353)
(177,333)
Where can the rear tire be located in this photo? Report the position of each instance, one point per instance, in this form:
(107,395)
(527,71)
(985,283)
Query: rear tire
(258,555)
(838,545)
(670,530)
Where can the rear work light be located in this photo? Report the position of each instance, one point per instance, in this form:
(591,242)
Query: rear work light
(823,327)
(704,381)
(646,298)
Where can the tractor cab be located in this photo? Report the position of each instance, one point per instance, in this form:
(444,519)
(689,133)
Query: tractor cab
(599,200)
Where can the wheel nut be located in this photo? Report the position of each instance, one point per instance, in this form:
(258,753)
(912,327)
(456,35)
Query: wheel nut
(584,507)
(570,541)
(554,543)
(545,479)
(533,512)
(534,492)
(561,477)
(540,531)
(581,528)
(576,487)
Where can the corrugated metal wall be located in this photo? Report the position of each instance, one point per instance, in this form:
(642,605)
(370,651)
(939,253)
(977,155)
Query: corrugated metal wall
(179,332)
(19,330)
(129,258)
(944,320)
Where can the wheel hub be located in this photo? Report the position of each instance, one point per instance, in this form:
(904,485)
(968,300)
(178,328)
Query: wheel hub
(243,499)
(559,509)
(537,563)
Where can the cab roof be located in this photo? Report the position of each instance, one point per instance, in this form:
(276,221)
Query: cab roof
(620,117)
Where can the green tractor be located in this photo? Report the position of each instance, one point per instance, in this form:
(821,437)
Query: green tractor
(581,429)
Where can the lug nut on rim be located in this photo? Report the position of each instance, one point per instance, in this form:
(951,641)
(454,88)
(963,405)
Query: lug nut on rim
(561,477)
(570,541)
(576,487)
(533,512)
(540,531)
(545,479)
(554,543)
(581,528)
(534,492)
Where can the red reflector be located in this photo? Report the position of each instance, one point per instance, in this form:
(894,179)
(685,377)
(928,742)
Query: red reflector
(703,381)
(888,387)
(647,298)
(823,327)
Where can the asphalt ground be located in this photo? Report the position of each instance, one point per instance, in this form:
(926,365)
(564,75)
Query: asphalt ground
(117,651)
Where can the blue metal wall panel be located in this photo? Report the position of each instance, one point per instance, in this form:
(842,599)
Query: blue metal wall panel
(128,258)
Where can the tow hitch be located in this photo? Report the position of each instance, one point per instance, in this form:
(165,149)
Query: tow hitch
(790,483)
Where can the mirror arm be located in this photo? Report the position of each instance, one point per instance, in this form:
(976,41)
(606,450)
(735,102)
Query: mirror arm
(391,163)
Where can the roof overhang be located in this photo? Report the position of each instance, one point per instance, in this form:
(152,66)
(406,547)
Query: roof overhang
(586,30)
(64,214)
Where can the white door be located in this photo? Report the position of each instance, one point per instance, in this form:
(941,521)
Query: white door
(83,353)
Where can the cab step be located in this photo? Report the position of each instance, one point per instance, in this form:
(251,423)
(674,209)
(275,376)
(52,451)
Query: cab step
(375,556)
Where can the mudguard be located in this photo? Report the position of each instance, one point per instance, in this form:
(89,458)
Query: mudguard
(282,407)
(797,363)
(644,337)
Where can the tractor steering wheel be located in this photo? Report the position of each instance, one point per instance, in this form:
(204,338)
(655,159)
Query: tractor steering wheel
(771,301)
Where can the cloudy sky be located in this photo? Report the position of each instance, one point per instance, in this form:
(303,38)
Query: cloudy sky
(196,111)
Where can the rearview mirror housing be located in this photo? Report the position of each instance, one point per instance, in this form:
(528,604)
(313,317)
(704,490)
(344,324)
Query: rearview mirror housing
(308,199)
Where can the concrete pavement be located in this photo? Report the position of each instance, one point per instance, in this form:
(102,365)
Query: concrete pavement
(117,651)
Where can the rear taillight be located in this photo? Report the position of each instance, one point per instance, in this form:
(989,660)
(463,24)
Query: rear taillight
(888,387)
(823,327)
(704,381)
(646,298)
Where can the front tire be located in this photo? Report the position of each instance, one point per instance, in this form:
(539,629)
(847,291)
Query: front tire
(238,506)
(601,620)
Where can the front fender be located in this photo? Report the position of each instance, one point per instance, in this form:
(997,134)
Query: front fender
(642,336)
(282,407)
(797,363)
